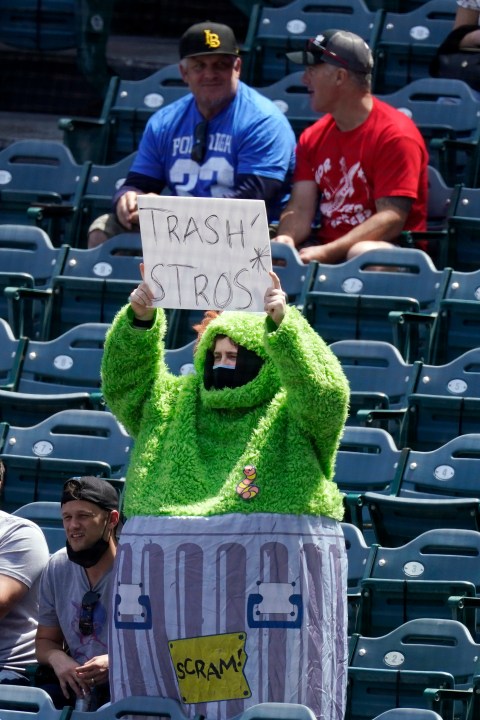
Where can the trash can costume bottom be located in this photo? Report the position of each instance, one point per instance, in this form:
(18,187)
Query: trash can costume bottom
(216,612)
(230,584)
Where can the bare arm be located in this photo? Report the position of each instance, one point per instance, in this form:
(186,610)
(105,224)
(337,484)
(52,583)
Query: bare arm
(296,220)
(385,225)
(11,592)
(49,650)
(466,16)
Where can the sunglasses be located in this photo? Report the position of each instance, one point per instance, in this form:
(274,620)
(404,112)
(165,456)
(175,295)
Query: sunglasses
(85,622)
(199,148)
(314,47)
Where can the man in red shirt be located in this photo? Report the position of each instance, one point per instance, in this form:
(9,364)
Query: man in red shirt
(361,170)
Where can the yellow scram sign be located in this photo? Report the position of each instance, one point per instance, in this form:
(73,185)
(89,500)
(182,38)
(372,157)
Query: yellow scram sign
(210,668)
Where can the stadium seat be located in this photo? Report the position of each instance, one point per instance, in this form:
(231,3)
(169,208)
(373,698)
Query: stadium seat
(12,350)
(378,377)
(277,711)
(396,668)
(442,109)
(29,703)
(56,375)
(40,458)
(180,360)
(290,269)
(127,107)
(408,714)
(40,183)
(398,520)
(463,226)
(29,260)
(151,706)
(407,42)
(444,403)
(274,31)
(55,25)
(456,328)
(94,284)
(354,300)
(417,580)
(102,182)
(290,95)
(49,518)
(357,554)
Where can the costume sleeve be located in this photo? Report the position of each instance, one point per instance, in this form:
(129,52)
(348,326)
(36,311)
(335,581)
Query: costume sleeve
(133,367)
(316,386)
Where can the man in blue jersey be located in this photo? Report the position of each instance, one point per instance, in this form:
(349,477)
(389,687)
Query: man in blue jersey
(223,139)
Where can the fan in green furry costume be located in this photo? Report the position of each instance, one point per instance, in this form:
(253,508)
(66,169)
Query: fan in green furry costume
(194,447)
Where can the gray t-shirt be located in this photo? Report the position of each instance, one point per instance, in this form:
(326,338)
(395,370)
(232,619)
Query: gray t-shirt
(23,555)
(62,587)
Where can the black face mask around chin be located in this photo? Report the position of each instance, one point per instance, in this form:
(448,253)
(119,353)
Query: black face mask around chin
(247,367)
(90,556)
(223,376)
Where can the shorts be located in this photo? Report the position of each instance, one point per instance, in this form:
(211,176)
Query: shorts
(109,224)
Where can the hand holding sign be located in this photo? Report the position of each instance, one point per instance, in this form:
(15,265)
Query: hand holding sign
(205,253)
(141,300)
(275,300)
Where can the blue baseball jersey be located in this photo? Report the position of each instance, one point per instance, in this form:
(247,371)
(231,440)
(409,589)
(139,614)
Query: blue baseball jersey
(249,137)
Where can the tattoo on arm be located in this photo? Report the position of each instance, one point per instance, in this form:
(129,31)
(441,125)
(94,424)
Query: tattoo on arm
(394,203)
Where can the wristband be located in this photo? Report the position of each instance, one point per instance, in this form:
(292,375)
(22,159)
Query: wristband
(142,323)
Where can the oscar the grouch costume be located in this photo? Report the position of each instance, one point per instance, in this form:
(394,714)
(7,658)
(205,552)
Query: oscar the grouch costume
(231,569)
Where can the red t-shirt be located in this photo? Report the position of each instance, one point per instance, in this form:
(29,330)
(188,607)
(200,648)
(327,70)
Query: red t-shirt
(384,157)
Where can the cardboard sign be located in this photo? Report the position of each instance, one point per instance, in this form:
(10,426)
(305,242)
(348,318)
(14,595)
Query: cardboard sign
(205,253)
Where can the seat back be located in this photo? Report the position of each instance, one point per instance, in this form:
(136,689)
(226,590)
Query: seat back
(396,668)
(408,714)
(275,31)
(135,102)
(70,362)
(180,360)
(398,520)
(49,518)
(290,95)
(41,173)
(353,300)
(447,471)
(95,283)
(457,326)
(407,43)
(57,375)
(290,269)
(27,260)
(445,403)
(11,354)
(102,182)
(378,376)
(38,459)
(148,706)
(463,227)
(417,580)
(29,703)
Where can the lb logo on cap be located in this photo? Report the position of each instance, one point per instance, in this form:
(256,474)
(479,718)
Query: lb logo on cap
(212,39)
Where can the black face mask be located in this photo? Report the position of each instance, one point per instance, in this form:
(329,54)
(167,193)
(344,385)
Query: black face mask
(247,367)
(90,556)
(223,376)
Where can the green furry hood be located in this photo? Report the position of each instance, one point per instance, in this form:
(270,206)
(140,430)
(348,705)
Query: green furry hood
(248,330)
